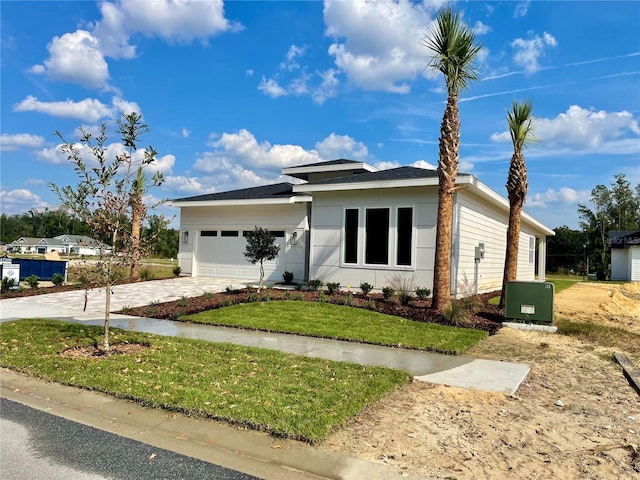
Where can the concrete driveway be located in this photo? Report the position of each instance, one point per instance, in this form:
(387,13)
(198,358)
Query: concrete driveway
(71,304)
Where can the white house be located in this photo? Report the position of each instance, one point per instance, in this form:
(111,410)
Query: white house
(65,244)
(350,223)
(625,255)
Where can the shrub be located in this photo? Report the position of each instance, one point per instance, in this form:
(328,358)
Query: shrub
(322,297)
(252,297)
(403,286)
(299,287)
(207,295)
(127,309)
(347,300)
(315,284)
(387,293)
(366,288)
(333,287)
(297,296)
(287,277)
(423,293)
(369,305)
(227,302)
(32,281)
(146,274)
(230,289)
(177,271)
(183,302)
(459,312)
(7,284)
(57,279)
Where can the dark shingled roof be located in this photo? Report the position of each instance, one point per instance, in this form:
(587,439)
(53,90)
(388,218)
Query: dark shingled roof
(400,173)
(278,190)
(340,161)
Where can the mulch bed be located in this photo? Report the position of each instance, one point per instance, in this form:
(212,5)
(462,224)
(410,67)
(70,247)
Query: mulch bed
(89,351)
(487,318)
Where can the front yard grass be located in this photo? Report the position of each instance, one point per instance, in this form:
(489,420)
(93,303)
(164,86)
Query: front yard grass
(286,395)
(343,323)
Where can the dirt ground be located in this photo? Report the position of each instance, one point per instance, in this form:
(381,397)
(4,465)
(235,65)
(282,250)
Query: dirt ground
(575,417)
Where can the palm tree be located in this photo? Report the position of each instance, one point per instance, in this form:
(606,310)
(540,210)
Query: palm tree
(521,130)
(454,48)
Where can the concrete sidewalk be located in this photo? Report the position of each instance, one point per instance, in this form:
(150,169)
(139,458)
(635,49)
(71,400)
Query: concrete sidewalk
(459,371)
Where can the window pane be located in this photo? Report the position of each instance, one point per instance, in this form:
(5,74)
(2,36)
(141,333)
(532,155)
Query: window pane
(377,243)
(351,235)
(405,231)
(209,233)
(229,233)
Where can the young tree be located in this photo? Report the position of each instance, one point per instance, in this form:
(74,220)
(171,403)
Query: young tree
(103,198)
(521,129)
(454,48)
(261,246)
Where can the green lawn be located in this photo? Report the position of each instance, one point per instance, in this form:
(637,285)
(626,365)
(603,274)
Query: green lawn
(341,322)
(289,395)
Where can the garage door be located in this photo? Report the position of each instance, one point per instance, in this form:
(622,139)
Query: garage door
(220,253)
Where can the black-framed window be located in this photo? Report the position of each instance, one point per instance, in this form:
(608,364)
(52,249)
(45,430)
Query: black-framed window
(208,233)
(229,233)
(351,235)
(405,236)
(275,233)
(376,251)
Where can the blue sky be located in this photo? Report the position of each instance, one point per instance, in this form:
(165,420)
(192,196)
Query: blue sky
(234,92)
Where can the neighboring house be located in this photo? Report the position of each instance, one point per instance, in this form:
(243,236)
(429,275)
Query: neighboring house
(64,244)
(625,255)
(351,223)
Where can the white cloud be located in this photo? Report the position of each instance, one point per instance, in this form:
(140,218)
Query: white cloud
(271,87)
(77,58)
(424,164)
(249,72)
(480,28)
(89,109)
(9,142)
(521,9)
(328,88)
(185,133)
(188,185)
(291,63)
(527,52)
(377,44)
(586,129)
(341,146)
(20,200)
(565,195)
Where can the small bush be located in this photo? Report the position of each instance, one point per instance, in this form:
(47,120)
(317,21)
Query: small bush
(32,281)
(227,302)
(183,302)
(177,271)
(287,277)
(57,279)
(297,296)
(333,287)
(286,296)
(347,300)
(146,274)
(369,305)
(322,297)
(127,309)
(387,293)
(230,289)
(459,312)
(207,295)
(7,284)
(403,286)
(252,297)
(299,287)
(265,297)
(366,288)
(315,284)
(154,303)
(423,293)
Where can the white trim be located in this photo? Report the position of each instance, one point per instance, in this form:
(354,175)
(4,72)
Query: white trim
(324,168)
(253,201)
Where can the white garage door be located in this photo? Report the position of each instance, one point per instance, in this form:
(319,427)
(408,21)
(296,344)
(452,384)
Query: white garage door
(220,253)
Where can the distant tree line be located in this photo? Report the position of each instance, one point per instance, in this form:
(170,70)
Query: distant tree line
(611,208)
(51,222)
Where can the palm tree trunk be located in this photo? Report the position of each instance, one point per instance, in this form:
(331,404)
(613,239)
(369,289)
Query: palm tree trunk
(513,239)
(447,173)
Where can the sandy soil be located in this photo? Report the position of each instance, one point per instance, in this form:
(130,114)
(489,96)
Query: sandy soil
(576,416)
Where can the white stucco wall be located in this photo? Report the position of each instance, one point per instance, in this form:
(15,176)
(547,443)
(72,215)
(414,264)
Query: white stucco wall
(327,234)
(288,217)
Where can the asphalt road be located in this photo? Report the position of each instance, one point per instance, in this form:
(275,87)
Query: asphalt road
(36,445)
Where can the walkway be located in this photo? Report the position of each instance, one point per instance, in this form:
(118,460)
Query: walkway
(460,371)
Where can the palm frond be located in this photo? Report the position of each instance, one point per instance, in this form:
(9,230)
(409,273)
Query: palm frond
(521,124)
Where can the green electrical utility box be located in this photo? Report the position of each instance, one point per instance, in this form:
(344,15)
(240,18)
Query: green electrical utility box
(529,301)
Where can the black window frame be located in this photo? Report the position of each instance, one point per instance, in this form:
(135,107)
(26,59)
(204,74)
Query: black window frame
(404,236)
(208,233)
(377,221)
(351,226)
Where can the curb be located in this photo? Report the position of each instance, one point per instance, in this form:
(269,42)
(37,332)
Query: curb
(247,451)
